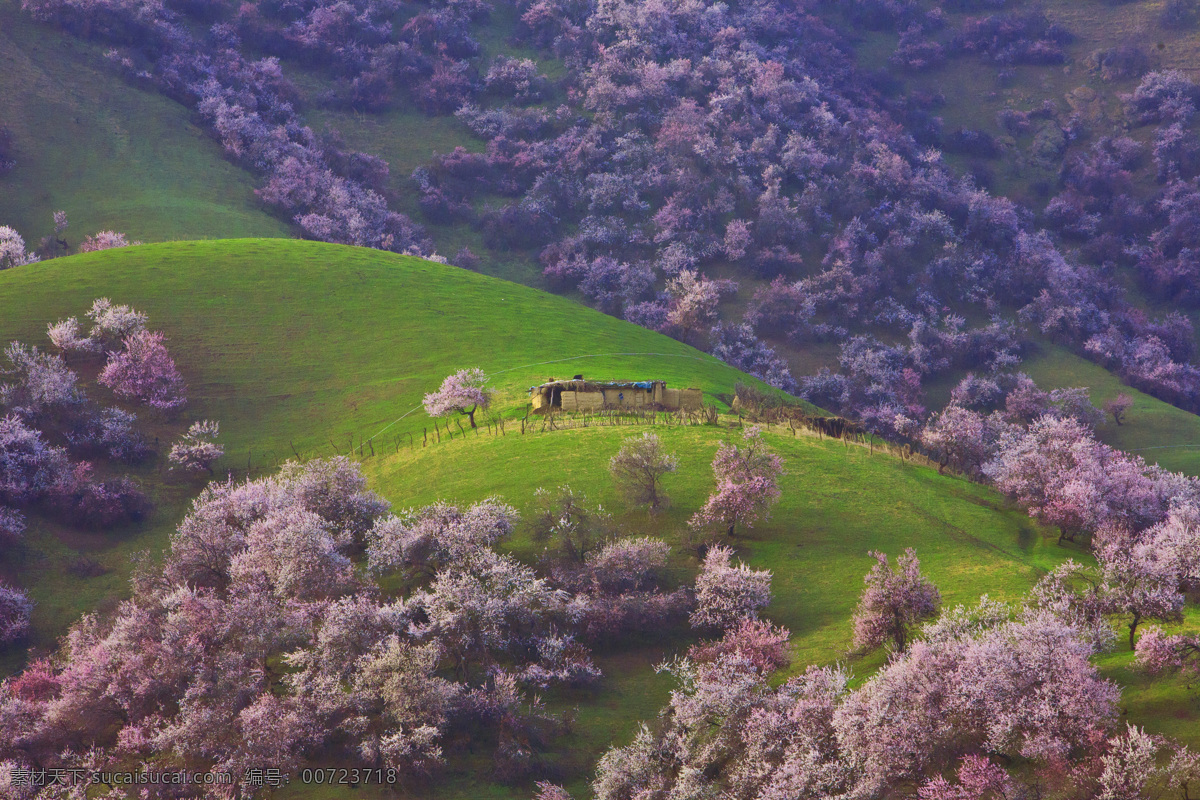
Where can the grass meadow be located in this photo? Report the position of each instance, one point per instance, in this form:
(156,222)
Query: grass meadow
(112,155)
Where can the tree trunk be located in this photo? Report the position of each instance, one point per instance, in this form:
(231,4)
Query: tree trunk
(1137,619)
(471,416)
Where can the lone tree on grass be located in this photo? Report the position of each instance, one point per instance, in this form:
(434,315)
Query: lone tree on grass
(893,602)
(1119,407)
(197,449)
(639,466)
(747,484)
(464,392)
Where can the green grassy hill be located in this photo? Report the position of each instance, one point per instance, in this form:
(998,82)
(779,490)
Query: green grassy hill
(299,345)
(299,348)
(111,155)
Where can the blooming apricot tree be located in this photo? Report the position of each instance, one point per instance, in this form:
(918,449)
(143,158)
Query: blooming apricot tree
(12,249)
(1118,407)
(104,240)
(15,609)
(893,602)
(145,371)
(464,392)
(747,484)
(197,449)
(727,594)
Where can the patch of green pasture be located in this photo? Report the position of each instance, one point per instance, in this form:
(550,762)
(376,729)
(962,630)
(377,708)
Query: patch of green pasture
(1157,431)
(293,342)
(111,155)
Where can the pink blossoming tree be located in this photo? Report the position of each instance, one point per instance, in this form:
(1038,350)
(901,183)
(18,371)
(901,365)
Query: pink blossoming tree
(464,392)
(978,779)
(145,371)
(1118,407)
(1158,652)
(15,610)
(12,249)
(893,602)
(197,449)
(747,485)
(727,594)
(104,240)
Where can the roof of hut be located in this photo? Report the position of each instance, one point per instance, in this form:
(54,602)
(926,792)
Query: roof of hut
(595,386)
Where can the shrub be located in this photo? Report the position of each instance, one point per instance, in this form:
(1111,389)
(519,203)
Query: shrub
(104,240)
(1120,62)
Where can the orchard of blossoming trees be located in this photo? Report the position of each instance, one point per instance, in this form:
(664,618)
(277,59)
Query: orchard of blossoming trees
(975,691)
(700,137)
(52,433)
(257,643)
(295,620)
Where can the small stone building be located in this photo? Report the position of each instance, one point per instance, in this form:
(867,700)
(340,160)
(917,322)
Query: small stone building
(583,395)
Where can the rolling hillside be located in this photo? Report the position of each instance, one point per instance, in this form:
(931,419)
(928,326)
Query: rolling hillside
(113,156)
(298,345)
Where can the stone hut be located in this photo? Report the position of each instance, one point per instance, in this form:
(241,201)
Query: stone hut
(578,394)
